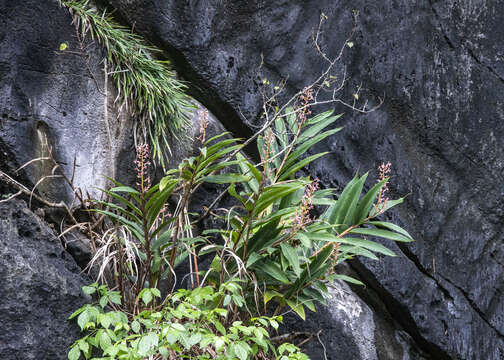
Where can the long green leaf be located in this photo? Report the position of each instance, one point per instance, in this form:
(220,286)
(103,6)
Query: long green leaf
(283,213)
(349,204)
(246,168)
(217,167)
(332,214)
(367,201)
(392,227)
(220,154)
(273,193)
(125,189)
(316,266)
(381,233)
(292,170)
(159,201)
(348,279)
(262,238)
(355,250)
(224,178)
(134,228)
(319,117)
(301,149)
(216,137)
(122,210)
(367,244)
(281,132)
(232,191)
(291,255)
(273,270)
(317,128)
(343,211)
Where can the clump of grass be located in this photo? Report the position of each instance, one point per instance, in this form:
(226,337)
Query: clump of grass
(147,87)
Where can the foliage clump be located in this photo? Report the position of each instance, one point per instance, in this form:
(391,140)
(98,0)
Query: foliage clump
(275,251)
(190,324)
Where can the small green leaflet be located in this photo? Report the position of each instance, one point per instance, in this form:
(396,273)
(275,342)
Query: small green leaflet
(74,353)
(146,343)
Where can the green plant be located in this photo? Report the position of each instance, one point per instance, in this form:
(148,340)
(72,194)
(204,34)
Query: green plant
(272,243)
(276,244)
(147,87)
(192,324)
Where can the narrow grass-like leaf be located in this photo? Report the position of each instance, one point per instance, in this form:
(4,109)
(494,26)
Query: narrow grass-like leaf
(273,270)
(367,244)
(392,227)
(292,170)
(225,178)
(355,250)
(318,127)
(348,279)
(381,233)
(367,201)
(349,203)
(301,149)
(291,255)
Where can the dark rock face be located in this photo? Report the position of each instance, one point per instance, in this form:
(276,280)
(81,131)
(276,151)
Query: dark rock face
(39,288)
(57,99)
(440,66)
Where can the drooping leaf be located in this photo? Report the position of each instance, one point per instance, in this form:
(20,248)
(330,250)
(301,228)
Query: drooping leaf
(270,294)
(297,307)
(146,296)
(348,279)
(367,244)
(392,227)
(83,319)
